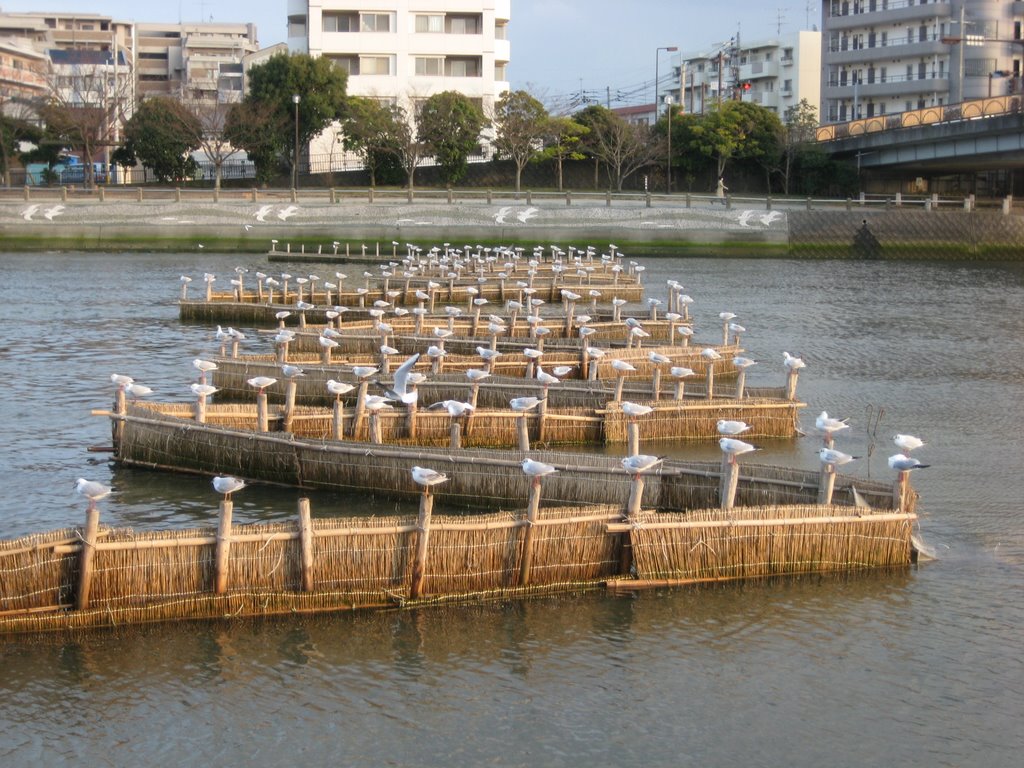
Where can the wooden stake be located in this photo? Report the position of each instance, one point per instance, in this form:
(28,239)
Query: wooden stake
(542,416)
(419,564)
(523,429)
(455,436)
(531,518)
(791,385)
(262,417)
(636,495)
(86,562)
(633,438)
(120,409)
(656,384)
(357,419)
(221,562)
(289,403)
(730,482)
(306,541)
(201,409)
(339,420)
(709,378)
(741,382)
(375,432)
(827,483)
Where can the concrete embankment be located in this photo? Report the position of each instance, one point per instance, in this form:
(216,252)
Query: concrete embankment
(668,226)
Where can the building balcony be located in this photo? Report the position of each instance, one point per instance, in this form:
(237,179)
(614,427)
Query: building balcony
(896,12)
(890,52)
(892,87)
(759,69)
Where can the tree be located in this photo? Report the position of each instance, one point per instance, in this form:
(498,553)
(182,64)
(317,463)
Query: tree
(161,135)
(320,86)
(521,123)
(90,97)
(563,135)
(799,124)
(213,137)
(761,145)
(623,147)
(15,128)
(369,130)
(737,130)
(406,145)
(450,125)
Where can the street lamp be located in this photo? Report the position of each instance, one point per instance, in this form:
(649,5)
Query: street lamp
(668,166)
(295,165)
(669,48)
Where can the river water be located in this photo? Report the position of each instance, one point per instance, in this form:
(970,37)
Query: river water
(921,666)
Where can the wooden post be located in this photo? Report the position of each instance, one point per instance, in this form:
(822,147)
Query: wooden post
(455,436)
(120,408)
(262,417)
(542,417)
(827,483)
(289,403)
(419,564)
(709,378)
(791,385)
(633,438)
(410,420)
(741,382)
(220,584)
(523,429)
(680,389)
(730,481)
(85,562)
(900,489)
(375,432)
(360,407)
(619,382)
(636,495)
(656,384)
(533,505)
(306,541)
(339,420)
(201,409)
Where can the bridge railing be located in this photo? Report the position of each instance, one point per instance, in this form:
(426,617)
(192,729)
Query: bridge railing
(946,113)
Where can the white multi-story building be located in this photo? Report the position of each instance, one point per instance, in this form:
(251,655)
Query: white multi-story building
(404,51)
(775,73)
(885,56)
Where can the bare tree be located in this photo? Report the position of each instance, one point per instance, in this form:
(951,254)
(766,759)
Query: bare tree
(213,117)
(623,147)
(406,144)
(88,102)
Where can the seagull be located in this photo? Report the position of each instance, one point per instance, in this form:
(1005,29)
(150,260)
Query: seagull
(834,457)
(121,380)
(729,427)
(562,370)
(488,354)
(634,410)
(680,373)
(828,425)
(733,448)
(455,408)
(400,383)
(363,371)
(339,388)
(227,485)
(261,382)
(428,477)
(904,463)
(622,366)
(326,343)
(536,468)
(135,391)
(475,374)
(743,362)
(546,378)
(907,443)
(523,404)
(657,358)
(435,351)
(376,402)
(793,363)
(203,390)
(641,463)
(710,354)
(204,366)
(92,490)
(291,371)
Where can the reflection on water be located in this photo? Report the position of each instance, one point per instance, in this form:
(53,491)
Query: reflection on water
(918,665)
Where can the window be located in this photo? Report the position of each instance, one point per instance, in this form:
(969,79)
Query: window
(463,25)
(375,22)
(500,73)
(787,86)
(349,64)
(296,26)
(500,30)
(429,66)
(922,71)
(346,21)
(430,23)
(978,67)
(462,67)
(374,65)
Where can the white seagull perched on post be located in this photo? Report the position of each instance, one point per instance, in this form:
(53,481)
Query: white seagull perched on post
(793,363)
(363,371)
(733,448)
(523,404)
(203,390)
(828,424)
(537,468)
(731,427)
(135,391)
(227,485)
(903,463)
(743,362)
(291,371)
(710,354)
(907,443)
(428,477)
(261,382)
(622,366)
(92,490)
(635,410)
(639,463)
(834,457)
(455,408)
(122,381)
(339,388)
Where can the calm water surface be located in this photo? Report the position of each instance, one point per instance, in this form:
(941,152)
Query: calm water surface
(918,667)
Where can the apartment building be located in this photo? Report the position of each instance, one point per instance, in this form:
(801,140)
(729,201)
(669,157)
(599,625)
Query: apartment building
(194,62)
(404,51)
(885,56)
(22,77)
(775,73)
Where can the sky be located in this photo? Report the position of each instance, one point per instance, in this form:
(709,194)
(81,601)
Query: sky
(602,50)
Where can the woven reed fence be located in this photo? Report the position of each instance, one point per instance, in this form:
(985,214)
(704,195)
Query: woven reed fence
(487,478)
(352,563)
